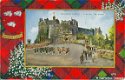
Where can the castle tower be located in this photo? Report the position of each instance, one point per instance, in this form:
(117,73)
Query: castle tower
(28,41)
(98,31)
(74,26)
(106,37)
(54,18)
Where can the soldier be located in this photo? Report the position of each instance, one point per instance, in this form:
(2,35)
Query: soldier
(35,50)
(41,50)
(63,49)
(59,50)
(67,50)
(51,50)
(46,50)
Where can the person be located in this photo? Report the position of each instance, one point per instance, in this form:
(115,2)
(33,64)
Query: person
(67,50)
(59,50)
(81,58)
(93,57)
(90,54)
(85,54)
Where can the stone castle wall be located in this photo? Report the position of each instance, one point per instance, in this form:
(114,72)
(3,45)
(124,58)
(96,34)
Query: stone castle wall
(58,31)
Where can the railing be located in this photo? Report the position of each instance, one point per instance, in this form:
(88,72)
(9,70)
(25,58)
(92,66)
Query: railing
(31,46)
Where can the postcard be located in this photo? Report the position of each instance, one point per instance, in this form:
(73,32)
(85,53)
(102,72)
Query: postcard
(62,39)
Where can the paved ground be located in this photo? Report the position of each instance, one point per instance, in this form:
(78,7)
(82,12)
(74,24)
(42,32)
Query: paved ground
(71,59)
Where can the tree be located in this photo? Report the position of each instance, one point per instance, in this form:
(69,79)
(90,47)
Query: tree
(99,39)
(17,68)
(111,36)
(111,33)
(80,36)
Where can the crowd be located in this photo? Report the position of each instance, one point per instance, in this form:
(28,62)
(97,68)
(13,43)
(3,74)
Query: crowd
(88,55)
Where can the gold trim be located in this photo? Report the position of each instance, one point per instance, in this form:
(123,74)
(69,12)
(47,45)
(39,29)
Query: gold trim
(8,36)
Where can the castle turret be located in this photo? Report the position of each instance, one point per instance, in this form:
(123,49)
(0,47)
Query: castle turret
(106,36)
(74,26)
(28,41)
(41,19)
(54,18)
(98,31)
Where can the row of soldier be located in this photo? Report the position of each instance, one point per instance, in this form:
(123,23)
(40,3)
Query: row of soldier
(52,50)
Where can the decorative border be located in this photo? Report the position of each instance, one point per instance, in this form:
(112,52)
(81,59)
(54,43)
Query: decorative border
(73,66)
(64,73)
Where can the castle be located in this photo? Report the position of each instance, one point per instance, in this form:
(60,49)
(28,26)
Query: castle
(61,31)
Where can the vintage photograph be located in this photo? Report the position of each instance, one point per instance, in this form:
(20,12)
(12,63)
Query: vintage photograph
(69,38)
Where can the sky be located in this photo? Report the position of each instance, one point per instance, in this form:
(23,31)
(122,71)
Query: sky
(86,19)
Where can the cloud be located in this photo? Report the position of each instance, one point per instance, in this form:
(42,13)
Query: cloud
(32,34)
(34,30)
